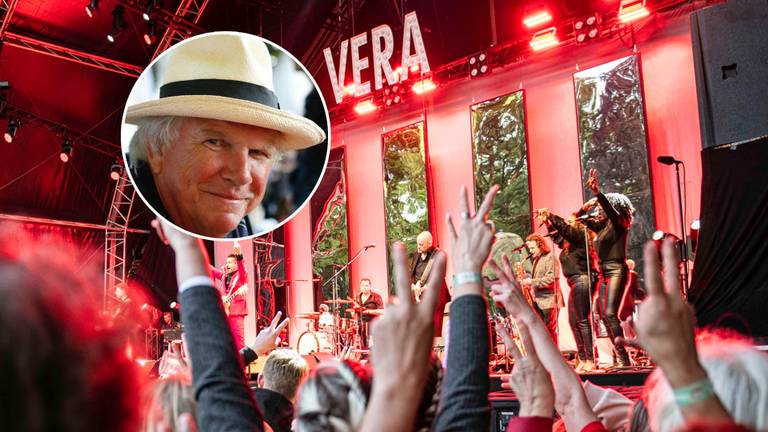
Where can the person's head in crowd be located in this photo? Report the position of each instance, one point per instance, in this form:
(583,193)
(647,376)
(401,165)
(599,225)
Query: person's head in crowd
(334,397)
(429,400)
(537,245)
(424,242)
(66,369)
(167,399)
(283,373)
(204,150)
(738,374)
(365,286)
(168,317)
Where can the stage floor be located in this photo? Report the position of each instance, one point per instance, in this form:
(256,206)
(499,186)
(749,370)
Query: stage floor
(630,379)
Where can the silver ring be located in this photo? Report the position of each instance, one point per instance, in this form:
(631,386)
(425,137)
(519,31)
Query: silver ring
(465,215)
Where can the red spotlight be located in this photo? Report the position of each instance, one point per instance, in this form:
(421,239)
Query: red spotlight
(632,10)
(66,151)
(537,19)
(116,171)
(424,86)
(414,68)
(365,107)
(544,39)
(174,305)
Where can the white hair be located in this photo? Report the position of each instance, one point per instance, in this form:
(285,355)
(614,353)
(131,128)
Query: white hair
(424,235)
(157,132)
(738,374)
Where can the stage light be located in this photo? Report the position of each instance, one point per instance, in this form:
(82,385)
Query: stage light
(150,35)
(13,128)
(365,107)
(414,68)
(349,89)
(148,9)
(174,305)
(478,64)
(632,10)
(92,8)
(537,19)
(696,225)
(658,235)
(544,39)
(118,23)
(66,151)
(116,171)
(424,86)
(587,29)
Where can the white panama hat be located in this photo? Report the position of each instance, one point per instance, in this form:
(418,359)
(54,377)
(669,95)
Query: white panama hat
(226,76)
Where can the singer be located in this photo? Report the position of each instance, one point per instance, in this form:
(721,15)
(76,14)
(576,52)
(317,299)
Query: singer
(543,283)
(612,228)
(234,286)
(578,265)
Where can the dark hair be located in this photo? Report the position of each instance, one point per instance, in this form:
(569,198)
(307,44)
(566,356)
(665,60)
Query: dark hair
(65,367)
(540,242)
(232,256)
(365,279)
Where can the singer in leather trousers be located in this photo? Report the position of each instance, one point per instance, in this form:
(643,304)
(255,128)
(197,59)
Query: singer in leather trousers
(578,314)
(615,276)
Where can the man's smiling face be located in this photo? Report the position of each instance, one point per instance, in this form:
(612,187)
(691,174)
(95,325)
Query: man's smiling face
(213,174)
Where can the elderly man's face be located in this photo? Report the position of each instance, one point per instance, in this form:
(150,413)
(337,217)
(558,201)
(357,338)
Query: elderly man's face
(214,174)
(423,244)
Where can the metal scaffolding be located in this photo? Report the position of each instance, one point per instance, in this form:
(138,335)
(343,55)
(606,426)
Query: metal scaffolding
(115,235)
(189,11)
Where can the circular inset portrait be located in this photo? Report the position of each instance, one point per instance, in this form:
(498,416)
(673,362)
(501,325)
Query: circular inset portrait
(225,135)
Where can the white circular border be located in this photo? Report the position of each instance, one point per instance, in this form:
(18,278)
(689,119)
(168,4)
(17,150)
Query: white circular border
(327,134)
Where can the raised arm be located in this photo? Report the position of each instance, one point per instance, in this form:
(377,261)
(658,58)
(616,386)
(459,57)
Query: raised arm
(570,400)
(464,397)
(224,400)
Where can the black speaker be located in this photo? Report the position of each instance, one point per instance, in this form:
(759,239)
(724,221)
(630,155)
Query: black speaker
(730,51)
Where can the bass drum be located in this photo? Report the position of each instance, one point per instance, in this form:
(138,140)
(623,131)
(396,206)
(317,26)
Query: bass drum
(312,342)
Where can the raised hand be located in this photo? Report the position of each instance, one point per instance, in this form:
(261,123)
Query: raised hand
(509,293)
(529,379)
(542,214)
(472,244)
(172,236)
(402,345)
(236,249)
(266,340)
(592,182)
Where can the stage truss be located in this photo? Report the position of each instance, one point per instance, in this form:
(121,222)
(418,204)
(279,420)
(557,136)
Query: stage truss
(116,232)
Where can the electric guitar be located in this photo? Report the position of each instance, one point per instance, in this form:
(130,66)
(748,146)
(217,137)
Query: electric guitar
(227,299)
(417,289)
(520,273)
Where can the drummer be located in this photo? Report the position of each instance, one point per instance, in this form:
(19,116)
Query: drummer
(372,306)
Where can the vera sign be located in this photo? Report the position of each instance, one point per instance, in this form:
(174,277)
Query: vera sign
(382,47)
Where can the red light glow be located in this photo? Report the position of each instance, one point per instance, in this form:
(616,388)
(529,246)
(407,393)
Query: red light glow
(64,157)
(632,10)
(537,19)
(365,107)
(424,86)
(544,39)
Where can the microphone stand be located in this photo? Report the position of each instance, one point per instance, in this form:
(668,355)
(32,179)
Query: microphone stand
(595,326)
(335,294)
(682,229)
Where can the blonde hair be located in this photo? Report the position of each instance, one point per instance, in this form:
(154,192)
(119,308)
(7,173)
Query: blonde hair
(166,400)
(284,371)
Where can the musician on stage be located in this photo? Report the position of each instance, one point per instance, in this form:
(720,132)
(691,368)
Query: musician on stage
(611,225)
(421,266)
(372,306)
(543,282)
(580,270)
(234,281)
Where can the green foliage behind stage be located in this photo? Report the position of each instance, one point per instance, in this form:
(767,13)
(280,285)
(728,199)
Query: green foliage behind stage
(405,187)
(501,157)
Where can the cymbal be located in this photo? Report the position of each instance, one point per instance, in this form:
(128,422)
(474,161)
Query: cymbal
(308,315)
(339,301)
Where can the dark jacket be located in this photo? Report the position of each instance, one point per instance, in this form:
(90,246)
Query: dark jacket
(277,409)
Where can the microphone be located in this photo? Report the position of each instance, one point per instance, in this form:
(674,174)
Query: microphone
(372,245)
(588,216)
(668,160)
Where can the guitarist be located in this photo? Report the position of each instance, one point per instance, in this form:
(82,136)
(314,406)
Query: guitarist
(543,282)
(421,266)
(234,278)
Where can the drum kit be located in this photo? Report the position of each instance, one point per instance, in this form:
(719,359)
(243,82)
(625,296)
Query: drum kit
(330,332)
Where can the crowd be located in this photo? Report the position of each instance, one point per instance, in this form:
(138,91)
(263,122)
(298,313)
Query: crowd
(64,371)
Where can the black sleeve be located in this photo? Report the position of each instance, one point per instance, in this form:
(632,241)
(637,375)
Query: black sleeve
(464,400)
(224,400)
(569,233)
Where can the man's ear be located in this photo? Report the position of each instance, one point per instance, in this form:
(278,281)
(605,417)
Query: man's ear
(155,159)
